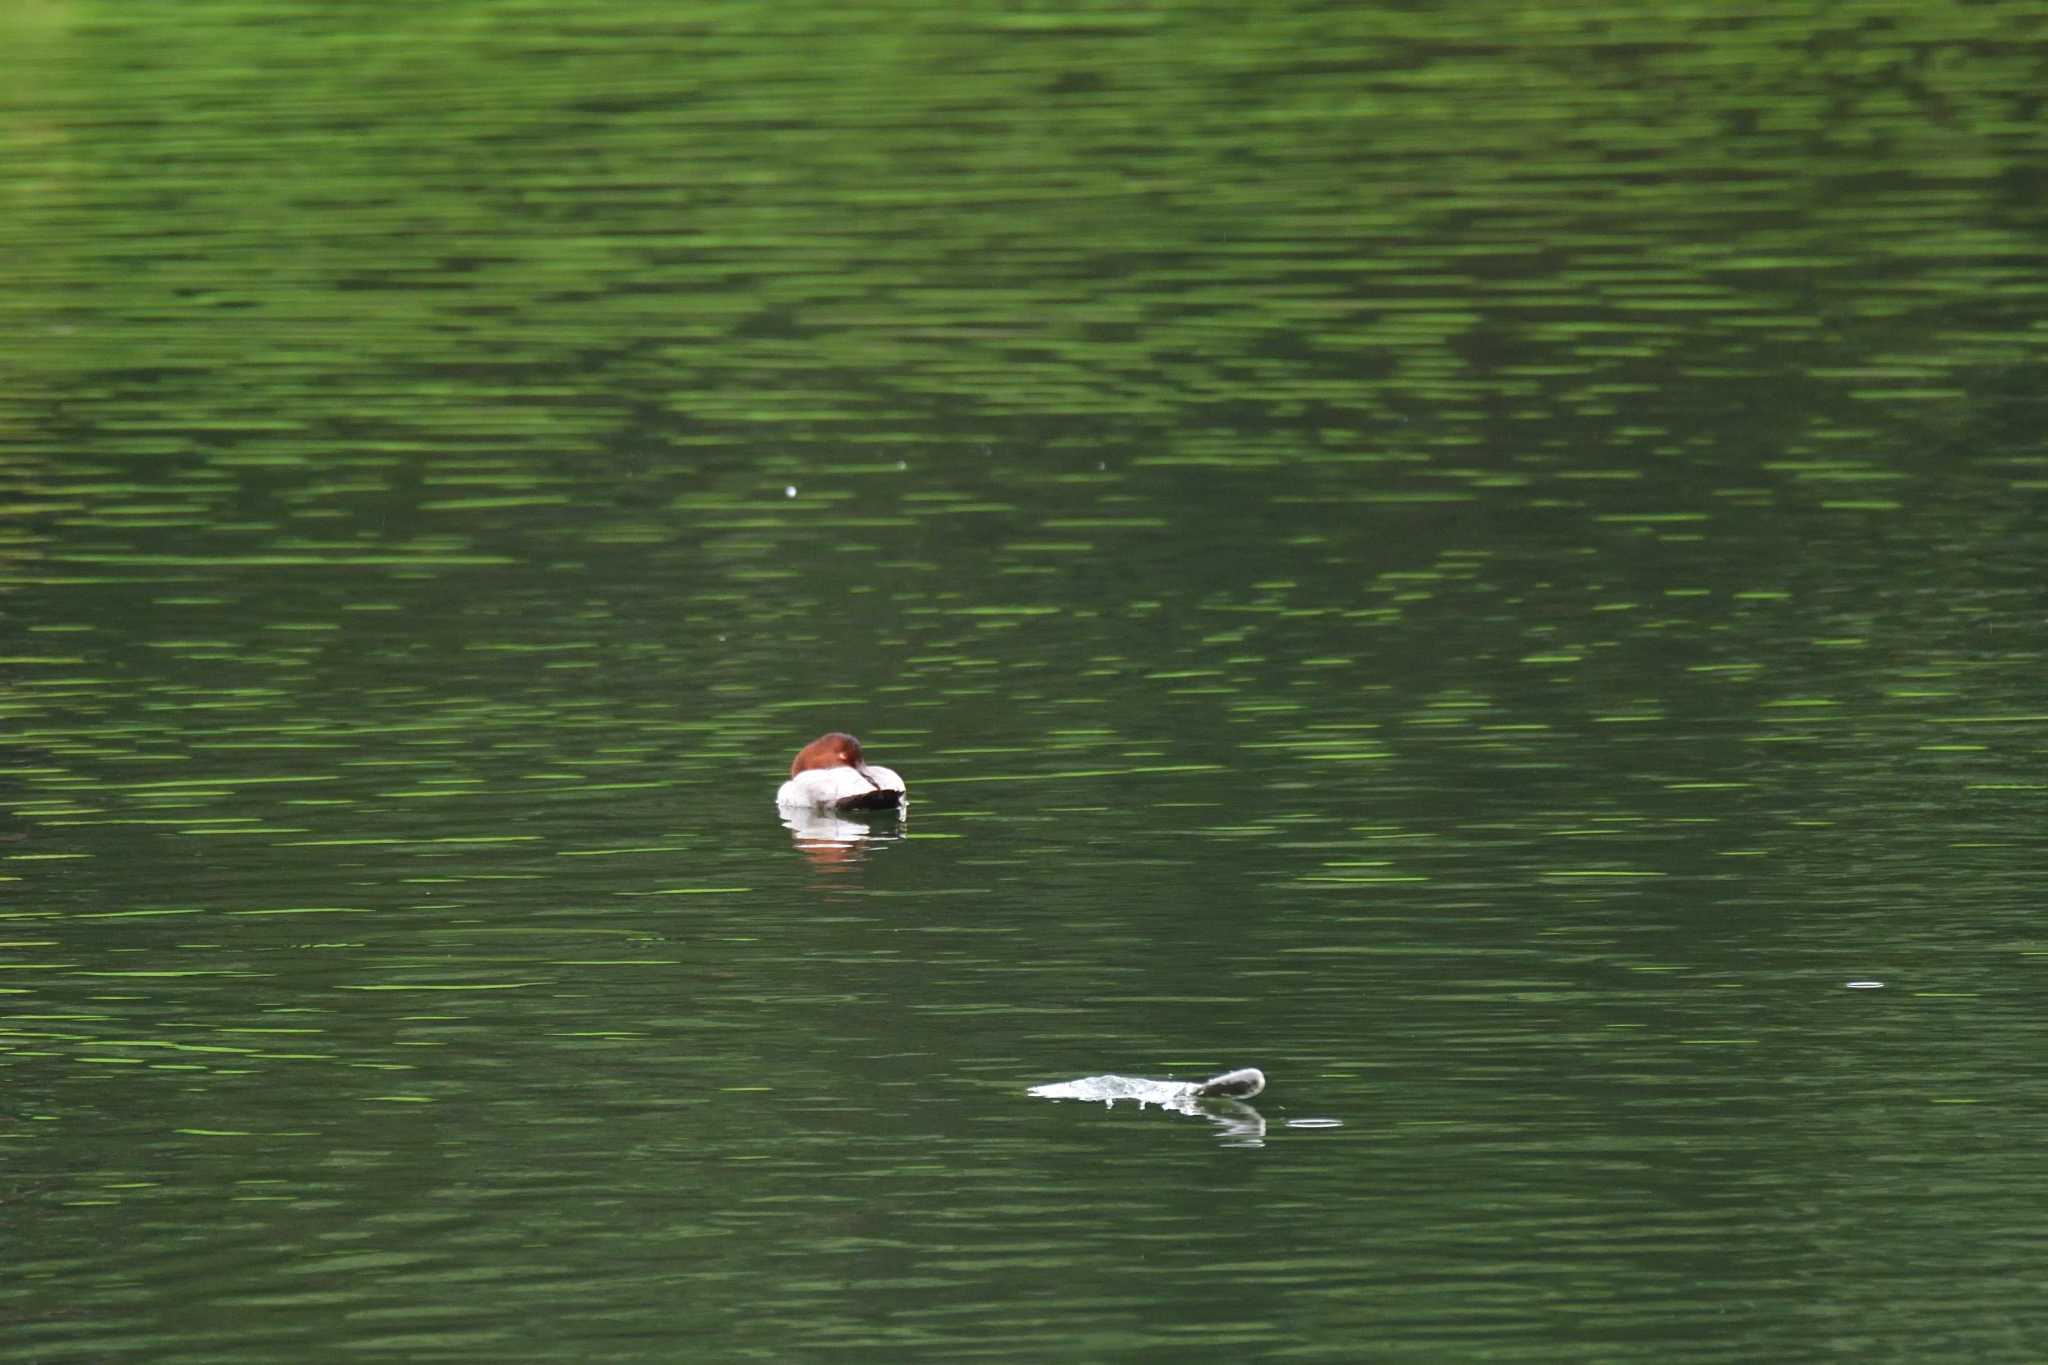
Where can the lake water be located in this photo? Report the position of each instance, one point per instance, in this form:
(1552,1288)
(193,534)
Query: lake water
(1486,563)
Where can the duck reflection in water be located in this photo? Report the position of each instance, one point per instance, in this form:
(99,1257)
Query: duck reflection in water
(832,840)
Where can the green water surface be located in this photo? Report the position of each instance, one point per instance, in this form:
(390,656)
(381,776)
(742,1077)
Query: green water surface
(1487,560)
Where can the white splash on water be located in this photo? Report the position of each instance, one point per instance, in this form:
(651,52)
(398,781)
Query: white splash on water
(1178,1096)
(1241,1125)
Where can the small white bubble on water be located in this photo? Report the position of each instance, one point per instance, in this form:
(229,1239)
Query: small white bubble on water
(1865,985)
(789,491)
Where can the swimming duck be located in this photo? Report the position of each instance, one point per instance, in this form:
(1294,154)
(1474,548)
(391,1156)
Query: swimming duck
(829,773)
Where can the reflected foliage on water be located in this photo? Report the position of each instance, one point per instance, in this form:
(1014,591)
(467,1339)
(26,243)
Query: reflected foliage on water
(1483,562)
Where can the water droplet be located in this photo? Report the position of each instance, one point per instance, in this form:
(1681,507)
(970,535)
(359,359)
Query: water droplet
(790,491)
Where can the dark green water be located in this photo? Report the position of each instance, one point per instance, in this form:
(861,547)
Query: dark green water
(1487,563)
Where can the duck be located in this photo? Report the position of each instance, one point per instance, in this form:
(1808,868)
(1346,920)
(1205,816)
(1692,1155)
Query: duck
(830,773)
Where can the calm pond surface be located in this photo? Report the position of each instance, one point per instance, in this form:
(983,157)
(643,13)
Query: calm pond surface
(1488,563)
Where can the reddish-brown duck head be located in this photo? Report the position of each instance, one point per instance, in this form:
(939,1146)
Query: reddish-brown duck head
(835,750)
